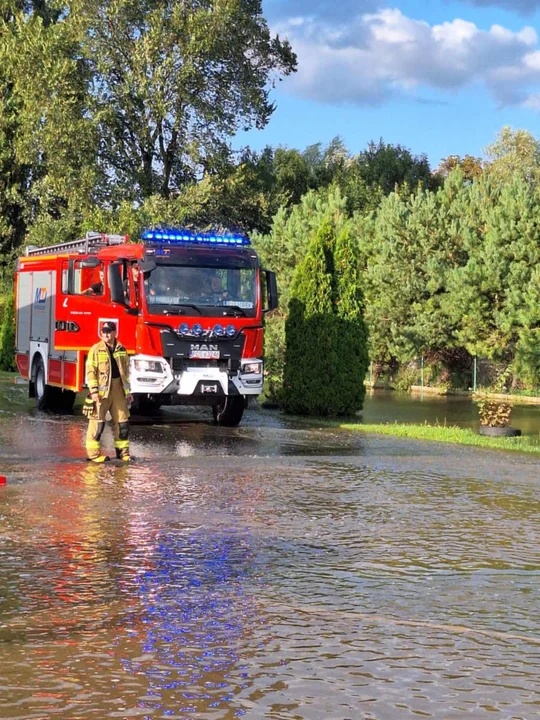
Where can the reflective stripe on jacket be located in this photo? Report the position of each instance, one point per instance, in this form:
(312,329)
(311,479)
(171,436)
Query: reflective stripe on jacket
(98,368)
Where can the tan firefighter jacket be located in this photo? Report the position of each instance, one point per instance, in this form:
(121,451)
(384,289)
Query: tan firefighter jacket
(98,368)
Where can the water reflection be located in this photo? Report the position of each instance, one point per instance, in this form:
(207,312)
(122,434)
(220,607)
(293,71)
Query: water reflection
(133,589)
(195,620)
(269,571)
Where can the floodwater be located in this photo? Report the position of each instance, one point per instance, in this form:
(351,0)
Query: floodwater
(268,571)
(383,407)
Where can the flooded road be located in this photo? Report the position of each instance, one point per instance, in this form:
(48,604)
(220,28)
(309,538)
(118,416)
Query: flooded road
(269,571)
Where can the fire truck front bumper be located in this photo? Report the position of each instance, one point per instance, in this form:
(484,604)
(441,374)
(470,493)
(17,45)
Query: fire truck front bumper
(150,375)
(206,382)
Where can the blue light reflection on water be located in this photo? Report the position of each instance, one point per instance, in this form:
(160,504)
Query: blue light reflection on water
(195,615)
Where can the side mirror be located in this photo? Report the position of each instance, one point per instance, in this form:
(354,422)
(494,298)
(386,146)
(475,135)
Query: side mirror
(116,284)
(271,291)
(147,266)
(91,262)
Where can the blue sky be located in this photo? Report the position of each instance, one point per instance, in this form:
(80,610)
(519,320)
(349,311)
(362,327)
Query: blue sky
(440,77)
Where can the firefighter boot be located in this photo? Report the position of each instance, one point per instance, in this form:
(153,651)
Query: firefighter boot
(121,444)
(93,437)
(99,459)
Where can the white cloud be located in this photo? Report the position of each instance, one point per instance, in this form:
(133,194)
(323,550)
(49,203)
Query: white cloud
(532,60)
(533,102)
(379,55)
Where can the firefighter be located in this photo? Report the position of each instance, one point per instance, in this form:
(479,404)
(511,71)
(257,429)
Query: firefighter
(96,288)
(135,270)
(107,374)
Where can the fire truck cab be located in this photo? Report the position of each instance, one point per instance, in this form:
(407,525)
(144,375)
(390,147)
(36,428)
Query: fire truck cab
(189,309)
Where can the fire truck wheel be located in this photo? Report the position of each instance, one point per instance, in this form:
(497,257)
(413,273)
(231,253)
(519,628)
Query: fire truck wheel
(229,413)
(66,400)
(46,396)
(144,405)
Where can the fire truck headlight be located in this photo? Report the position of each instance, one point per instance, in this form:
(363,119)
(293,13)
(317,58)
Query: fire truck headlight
(150,365)
(254,368)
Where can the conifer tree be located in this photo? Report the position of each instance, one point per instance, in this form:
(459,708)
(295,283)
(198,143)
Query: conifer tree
(326,339)
(282,249)
(352,330)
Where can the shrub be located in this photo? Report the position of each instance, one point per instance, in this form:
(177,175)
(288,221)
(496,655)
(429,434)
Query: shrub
(494,412)
(7,335)
(406,376)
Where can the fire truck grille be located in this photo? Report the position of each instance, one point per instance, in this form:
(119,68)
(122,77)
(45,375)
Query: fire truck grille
(180,364)
(183,352)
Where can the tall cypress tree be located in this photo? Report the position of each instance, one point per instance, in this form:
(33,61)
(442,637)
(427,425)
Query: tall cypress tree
(353,358)
(282,250)
(326,352)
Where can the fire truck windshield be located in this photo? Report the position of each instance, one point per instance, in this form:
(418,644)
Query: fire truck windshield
(208,290)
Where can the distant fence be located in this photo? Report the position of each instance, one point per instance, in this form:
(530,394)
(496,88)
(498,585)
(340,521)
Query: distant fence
(419,373)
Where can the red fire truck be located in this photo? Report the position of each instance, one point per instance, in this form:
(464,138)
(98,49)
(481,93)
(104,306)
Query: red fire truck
(189,308)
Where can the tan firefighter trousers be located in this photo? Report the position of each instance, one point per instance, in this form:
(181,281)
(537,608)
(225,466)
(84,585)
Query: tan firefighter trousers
(116,404)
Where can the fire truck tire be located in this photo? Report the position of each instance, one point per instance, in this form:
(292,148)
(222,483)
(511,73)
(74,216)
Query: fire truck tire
(66,400)
(229,413)
(144,405)
(46,396)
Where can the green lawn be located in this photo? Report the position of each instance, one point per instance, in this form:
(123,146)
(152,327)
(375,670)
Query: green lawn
(454,435)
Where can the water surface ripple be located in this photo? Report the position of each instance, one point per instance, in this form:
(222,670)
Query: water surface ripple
(269,571)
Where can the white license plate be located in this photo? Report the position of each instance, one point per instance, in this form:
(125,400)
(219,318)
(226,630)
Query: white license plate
(204,355)
(210,388)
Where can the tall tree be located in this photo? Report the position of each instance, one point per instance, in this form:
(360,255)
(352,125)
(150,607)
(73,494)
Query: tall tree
(14,175)
(53,147)
(388,166)
(495,288)
(107,101)
(173,81)
(514,152)
(311,353)
(282,249)
(471,167)
(410,247)
(291,176)
(326,350)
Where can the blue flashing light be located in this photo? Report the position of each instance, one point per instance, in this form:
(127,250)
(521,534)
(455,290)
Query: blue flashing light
(197,329)
(172,236)
(230,330)
(183,329)
(218,330)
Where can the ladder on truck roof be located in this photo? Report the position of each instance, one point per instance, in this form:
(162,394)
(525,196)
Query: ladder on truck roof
(92,242)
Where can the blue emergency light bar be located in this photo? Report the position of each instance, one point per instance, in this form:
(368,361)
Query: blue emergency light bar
(172,236)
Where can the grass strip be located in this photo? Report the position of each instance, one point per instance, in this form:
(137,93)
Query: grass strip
(448,434)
